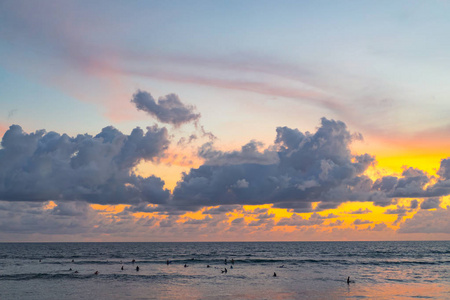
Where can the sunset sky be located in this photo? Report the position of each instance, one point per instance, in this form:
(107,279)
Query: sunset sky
(224,120)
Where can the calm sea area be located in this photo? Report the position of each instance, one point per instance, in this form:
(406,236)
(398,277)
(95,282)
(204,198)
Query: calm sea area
(304,270)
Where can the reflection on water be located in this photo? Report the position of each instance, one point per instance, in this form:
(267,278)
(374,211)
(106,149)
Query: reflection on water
(400,291)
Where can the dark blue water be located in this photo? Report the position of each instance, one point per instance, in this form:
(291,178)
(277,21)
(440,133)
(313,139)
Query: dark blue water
(313,270)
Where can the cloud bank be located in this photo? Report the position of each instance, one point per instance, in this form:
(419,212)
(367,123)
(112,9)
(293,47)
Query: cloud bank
(303,172)
(44,166)
(301,168)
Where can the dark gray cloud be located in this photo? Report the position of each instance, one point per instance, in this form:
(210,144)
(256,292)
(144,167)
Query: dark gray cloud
(266,222)
(442,186)
(43,166)
(238,221)
(203,221)
(330,216)
(444,170)
(249,154)
(297,220)
(209,135)
(360,211)
(72,208)
(361,222)
(186,141)
(379,227)
(223,209)
(397,211)
(414,204)
(299,169)
(430,203)
(412,184)
(385,184)
(400,211)
(31,218)
(336,223)
(257,211)
(169,109)
(428,221)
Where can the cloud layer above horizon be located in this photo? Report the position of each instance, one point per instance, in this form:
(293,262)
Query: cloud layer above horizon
(301,172)
(299,169)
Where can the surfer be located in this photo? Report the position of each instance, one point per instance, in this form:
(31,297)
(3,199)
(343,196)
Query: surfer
(225,271)
(96,273)
(348,280)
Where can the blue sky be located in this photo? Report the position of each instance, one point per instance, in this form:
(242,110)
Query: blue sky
(371,58)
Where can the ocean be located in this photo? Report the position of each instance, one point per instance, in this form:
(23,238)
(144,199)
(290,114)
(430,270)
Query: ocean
(304,270)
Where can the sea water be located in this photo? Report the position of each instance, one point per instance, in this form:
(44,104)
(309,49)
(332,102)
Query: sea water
(304,270)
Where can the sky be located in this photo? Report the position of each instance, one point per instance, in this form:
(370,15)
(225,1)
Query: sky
(224,120)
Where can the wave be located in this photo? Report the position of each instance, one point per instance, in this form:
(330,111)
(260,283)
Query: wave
(259,261)
(116,276)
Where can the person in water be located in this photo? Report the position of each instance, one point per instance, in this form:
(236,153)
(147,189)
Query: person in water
(274,274)
(133,261)
(121,268)
(137,268)
(348,280)
(96,273)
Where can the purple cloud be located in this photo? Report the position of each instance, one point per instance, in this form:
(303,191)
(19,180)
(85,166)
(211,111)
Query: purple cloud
(169,109)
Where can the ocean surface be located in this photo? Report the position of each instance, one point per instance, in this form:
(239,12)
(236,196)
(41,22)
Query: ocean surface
(305,270)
